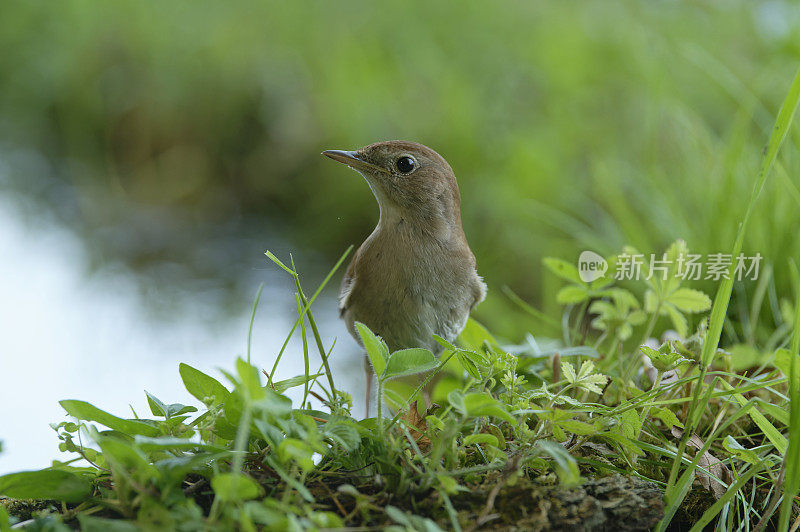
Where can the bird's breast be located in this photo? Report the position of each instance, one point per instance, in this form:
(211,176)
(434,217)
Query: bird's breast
(407,292)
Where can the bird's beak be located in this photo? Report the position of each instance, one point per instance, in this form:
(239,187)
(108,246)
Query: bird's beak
(352,159)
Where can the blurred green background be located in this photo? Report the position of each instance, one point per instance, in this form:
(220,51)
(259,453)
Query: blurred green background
(181,139)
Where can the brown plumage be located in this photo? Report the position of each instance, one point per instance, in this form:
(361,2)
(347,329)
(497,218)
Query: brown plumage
(414,276)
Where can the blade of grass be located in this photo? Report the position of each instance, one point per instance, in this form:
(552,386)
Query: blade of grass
(791,484)
(758,302)
(313,323)
(536,313)
(773,434)
(694,416)
(252,319)
(306,307)
(322,366)
(715,508)
(723,295)
(305,350)
(681,487)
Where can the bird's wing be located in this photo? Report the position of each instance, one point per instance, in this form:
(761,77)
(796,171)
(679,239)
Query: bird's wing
(347,284)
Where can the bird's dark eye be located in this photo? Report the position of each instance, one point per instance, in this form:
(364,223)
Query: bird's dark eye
(405,164)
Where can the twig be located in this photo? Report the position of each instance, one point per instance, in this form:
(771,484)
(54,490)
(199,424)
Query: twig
(194,487)
(512,466)
(795,525)
(484,516)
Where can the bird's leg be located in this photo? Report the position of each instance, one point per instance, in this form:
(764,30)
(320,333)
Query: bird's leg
(368,373)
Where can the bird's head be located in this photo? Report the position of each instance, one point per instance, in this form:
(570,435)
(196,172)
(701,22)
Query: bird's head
(411,182)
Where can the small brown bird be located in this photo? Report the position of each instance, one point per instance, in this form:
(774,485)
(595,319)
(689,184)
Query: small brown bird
(414,276)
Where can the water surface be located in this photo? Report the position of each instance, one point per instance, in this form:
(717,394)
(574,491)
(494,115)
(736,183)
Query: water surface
(104,337)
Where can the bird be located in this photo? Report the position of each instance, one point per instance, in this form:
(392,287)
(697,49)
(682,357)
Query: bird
(415,275)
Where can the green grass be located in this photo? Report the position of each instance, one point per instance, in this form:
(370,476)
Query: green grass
(676,490)
(512,422)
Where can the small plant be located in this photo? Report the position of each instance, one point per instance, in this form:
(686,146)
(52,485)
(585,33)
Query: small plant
(249,458)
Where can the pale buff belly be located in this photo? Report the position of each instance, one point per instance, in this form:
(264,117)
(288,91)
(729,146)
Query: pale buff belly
(407,306)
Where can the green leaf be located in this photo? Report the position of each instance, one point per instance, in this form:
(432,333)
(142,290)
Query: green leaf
(476,439)
(297,450)
(90,523)
(277,261)
(740,452)
(299,380)
(734,489)
(376,348)
(46,484)
(631,424)
(344,433)
(565,465)
(399,516)
(223,428)
(543,393)
(234,487)
(169,443)
(409,362)
(627,445)
(689,300)
(449,484)
(678,319)
(251,383)
(477,358)
(89,412)
(407,520)
(568,372)
(775,411)
(563,269)
(456,400)
(677,249)
(468,364)
(588,379)
(601,282)
(434,422)
(158,408)
(637,317)
(667,416)
(444,343)
(585,378)
(479,405)
(663,359)
(783,361)
(572,294)
(623,299)
(773,435)
(204,388)
(124,456)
